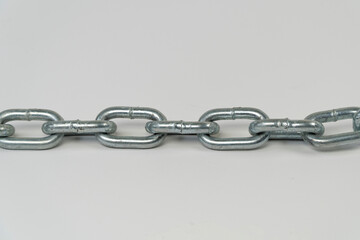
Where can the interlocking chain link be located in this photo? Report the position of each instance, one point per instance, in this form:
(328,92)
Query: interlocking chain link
(336,140)
(30,143)
(261,129)
(286,128)
(216,143)
(78,127)
(181,127)
(110,140)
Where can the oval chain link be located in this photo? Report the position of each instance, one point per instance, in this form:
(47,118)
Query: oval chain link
(30,143)
(181,127)
(335,140)
(239,143)
(114,141)
(285,128)
(78,127)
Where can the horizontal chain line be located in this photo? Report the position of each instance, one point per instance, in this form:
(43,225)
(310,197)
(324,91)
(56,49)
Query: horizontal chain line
(261,129)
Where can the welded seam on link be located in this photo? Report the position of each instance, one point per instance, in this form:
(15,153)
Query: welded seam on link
(286,129)
(182,127)
(335,115)
(78,127)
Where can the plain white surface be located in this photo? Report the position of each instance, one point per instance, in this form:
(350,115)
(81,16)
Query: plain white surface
(288,58)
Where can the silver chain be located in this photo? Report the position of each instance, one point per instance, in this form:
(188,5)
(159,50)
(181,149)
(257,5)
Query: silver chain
(261,129)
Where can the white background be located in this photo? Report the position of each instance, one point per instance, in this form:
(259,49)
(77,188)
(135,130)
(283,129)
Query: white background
(288,58)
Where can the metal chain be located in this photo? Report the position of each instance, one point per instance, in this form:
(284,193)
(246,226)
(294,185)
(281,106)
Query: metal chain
(311,129)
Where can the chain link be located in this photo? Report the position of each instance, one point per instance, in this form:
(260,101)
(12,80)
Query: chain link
(181,127)
(30,143)
(78,127)
(286,129)
(335,140)
(114,141)
(311,129)
(239,143)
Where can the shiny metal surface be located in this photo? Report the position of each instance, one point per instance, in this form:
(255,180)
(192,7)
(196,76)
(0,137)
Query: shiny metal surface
(285,128)
(6,130)
(240,143)
(261,128)
(30,143)
(181,127)
(114,141)
(357,121)
(336,140)
(78,127)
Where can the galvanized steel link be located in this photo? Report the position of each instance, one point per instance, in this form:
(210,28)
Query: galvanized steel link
(78,127)
(114,141)
(240,143)
(286,128)
(181,127)
(336,140)
(30,143)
